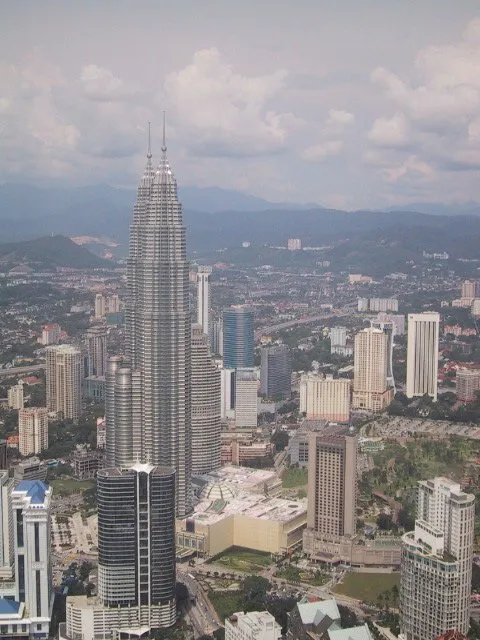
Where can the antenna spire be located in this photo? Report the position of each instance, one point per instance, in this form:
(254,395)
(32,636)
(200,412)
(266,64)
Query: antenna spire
(164,144)
(149,151)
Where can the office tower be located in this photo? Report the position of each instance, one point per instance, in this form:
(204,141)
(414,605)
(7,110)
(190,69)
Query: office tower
(203,298)
(31,506)
(136,541)
(227,390)
(238,338)
(468,384)
(370,388)
(96,344)
(32,430)
(100,306)
(422,354)
(3,454)
(6,527)
(206,423)
(338,339)
(148,404)
(437,561)
(246,391)
(469,289)
(332,484)
(325,398)
(15,396)
(388,329)
(113,304)
(254,625)
(216,337)
(64,373)
(276,372)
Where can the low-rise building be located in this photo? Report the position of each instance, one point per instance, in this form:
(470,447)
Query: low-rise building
(254,625)
(85,464)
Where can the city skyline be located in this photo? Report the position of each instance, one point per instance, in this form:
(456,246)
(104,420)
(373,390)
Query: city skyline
(348,118)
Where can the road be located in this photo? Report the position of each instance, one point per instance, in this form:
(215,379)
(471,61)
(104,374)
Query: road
(16,370)
(273,328)
(202,615)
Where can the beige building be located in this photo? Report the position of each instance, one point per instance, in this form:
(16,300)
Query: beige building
(64,373)
(246,393)
(32,430)
(469,289)
(370,388)
(15,396)
(468,383)
(355,552)
(422,354)
(332,484)
(325,398)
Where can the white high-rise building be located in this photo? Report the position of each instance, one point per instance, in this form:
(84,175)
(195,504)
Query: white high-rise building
(325,398)
(32,599)
(254,625)
(370,386)
(246,392)
(32,430)
(203,298)
(15,396)
(64,375)
(6,527)
(422,354)
(338,337)
(100,303)
(437,561)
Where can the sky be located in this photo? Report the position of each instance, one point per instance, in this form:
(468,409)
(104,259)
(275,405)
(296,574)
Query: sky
(347,103)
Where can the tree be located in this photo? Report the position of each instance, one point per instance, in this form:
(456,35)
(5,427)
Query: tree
(384,522)
(280,440)
(255,591)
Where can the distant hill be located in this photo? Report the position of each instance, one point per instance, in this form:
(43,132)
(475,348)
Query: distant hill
(46,253)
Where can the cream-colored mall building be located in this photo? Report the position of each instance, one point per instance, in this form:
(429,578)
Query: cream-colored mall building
(239,507)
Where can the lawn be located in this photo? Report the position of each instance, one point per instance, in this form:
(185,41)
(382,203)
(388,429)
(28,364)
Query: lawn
(367,586)
(290,573)
(294,477)
(226,603)
(65,486)
(237,559)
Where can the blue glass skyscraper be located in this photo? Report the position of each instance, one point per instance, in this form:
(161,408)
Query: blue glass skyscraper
(238,338)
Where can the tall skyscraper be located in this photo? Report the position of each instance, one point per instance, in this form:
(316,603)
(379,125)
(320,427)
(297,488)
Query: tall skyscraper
(136,538)
(96,344)
(246,391)
(338,338)
(238,337)
(64,373)
(203,298)
(206,397)
(437,561)
(276,372)
(388,327)
(370,388)
(332,484)
(32,430)
(148,403)
(6,527)
(422,354)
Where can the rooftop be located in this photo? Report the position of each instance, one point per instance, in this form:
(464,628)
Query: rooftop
(314,612)
(36,490)
(354,633)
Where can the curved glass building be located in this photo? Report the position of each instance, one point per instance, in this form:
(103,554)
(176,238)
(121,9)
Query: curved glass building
(238,338)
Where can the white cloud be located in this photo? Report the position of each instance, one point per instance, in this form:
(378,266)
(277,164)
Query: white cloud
(389,132)
(221,112)
(412,168)
(337,121)
(320,152)
(101,84)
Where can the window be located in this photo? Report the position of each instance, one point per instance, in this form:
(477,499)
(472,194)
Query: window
(37,542)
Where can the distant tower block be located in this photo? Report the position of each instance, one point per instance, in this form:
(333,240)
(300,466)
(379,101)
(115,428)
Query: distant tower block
(203,298)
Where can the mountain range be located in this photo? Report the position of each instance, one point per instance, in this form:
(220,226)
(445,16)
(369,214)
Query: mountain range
(217,218)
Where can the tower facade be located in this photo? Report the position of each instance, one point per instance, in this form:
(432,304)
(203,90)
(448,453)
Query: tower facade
(203,298)
(325,398)
(276,372)
(32,430)
(370,388)
(96,344)
(238,338)
(332,484)
(136,541)
(422,354)
(206,409)
(437,561)
(246,391)
(148,399)
(63,379)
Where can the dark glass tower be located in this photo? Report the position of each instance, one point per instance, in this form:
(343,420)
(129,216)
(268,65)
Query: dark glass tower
(136,538)
(149,399)
(238,338)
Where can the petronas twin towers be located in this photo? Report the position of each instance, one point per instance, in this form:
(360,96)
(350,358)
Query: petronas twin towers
(148,405)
